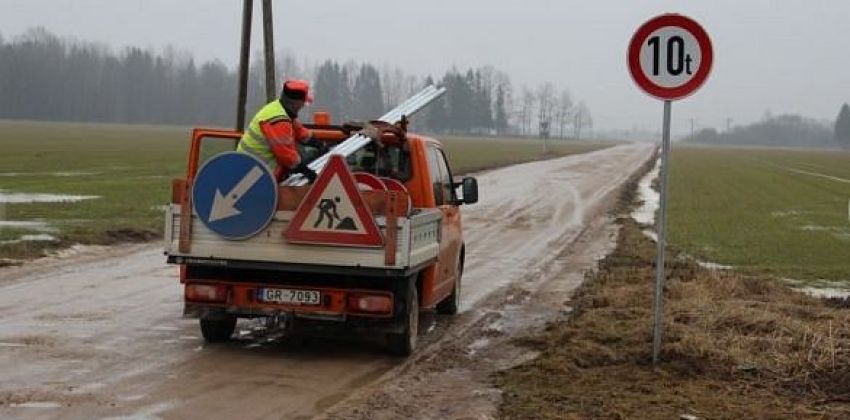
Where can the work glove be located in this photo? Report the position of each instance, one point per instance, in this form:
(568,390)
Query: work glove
(305,170)
(315,143)
(373,132)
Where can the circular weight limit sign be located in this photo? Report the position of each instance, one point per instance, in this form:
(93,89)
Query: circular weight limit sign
(670,56)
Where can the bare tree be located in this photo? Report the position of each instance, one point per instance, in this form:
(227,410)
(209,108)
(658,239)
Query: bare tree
(545,105)
(503,102)
(582,119)
(288,65)
(525,110)
(487,75)
(392,80)
(412,84)
(842,126)
(563,112)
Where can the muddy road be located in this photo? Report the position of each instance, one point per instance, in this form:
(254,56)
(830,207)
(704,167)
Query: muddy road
(100,334)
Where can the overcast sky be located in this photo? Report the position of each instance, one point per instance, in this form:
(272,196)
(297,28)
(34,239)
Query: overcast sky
(789,56)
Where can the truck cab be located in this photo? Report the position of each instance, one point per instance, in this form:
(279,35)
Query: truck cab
(417,266)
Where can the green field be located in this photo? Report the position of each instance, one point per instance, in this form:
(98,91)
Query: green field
(467,154)
(783,212)
(130,169)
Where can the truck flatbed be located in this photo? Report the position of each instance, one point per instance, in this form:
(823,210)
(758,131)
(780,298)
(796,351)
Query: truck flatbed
(417,246)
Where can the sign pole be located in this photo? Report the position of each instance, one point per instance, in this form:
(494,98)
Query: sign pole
(660,242)
(669,57)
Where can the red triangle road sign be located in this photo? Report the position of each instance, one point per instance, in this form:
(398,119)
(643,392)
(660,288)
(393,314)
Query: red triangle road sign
(333,212)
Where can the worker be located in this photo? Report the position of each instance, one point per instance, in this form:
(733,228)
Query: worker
(273,132)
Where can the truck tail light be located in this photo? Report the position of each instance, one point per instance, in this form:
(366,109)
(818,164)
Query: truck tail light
(206,293)
(370,304)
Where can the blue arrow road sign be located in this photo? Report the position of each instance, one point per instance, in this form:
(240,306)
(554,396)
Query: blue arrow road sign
(235,195)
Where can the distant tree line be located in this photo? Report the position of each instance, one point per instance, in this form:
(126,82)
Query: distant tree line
(478,100)
(44,77)
(782,130)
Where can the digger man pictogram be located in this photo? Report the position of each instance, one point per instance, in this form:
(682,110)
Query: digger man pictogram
(327,209)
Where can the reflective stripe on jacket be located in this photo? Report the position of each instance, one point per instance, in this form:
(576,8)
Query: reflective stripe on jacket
(253,140)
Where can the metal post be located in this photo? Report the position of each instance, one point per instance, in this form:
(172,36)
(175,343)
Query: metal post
(244,55)
(268,46)
(659,225)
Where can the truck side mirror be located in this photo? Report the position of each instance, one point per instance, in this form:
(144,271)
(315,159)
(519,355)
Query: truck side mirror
(469,186)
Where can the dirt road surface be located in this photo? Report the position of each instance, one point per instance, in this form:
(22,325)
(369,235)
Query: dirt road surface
(100,334)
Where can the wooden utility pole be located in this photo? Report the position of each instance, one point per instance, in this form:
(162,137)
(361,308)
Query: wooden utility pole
(268,46)
(244,56)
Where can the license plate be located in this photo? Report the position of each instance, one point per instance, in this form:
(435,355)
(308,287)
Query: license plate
(289,296)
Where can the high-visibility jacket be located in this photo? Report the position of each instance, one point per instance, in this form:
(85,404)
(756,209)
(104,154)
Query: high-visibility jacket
(271,137)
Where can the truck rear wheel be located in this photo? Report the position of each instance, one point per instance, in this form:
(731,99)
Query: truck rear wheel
(450,304)
(403,343)
(217,328)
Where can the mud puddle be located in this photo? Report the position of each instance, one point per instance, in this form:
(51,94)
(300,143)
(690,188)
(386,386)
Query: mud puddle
(40,237)
(7,197)
(35,224)
(648,197)
(62,174)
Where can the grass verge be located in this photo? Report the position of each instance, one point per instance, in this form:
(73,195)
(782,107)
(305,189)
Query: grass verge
(736,346)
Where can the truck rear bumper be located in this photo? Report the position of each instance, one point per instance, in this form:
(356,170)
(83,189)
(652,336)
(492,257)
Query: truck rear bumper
(246,300)
(305,322)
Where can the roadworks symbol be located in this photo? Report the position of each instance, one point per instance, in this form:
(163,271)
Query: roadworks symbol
(333,212)
(327,210)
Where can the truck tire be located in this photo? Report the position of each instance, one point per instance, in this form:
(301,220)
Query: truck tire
(217,328)
(403,343)
(450,304)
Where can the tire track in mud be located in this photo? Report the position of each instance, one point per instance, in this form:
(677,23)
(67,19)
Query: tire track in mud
(562,198)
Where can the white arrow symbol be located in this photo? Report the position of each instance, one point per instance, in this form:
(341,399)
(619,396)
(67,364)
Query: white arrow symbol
(224,206)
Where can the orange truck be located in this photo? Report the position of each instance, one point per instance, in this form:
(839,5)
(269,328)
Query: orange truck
(364,258)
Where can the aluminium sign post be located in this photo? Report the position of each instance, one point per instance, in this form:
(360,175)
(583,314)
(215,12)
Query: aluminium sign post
(669,58)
